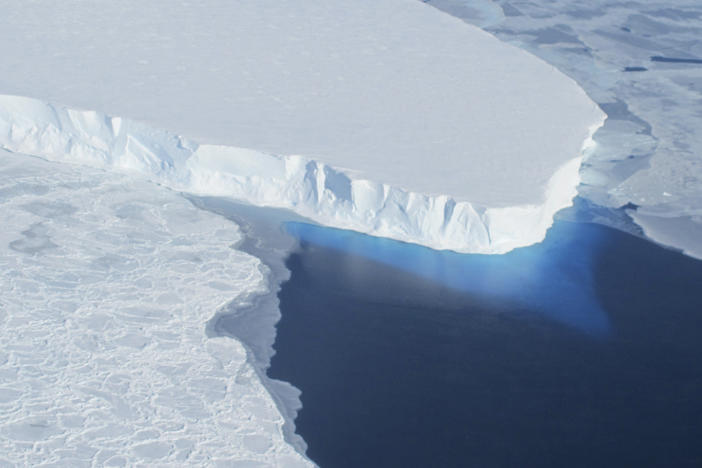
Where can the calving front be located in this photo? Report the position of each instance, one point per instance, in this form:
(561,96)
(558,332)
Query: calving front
(311,188)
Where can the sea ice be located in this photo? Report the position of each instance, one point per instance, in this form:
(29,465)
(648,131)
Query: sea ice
(640,61)
(106,283)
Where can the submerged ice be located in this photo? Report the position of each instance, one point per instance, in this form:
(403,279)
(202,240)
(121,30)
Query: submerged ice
(554,279)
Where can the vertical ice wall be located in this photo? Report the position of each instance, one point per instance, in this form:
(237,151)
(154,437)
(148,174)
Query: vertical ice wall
(311,188)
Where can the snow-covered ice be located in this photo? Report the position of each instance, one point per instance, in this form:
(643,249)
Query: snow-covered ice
(309,187)
(683,232)
(107,282)
(387,117)
(649,152)
(391,92)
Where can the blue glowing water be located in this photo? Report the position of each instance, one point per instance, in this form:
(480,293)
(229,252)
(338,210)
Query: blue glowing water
(581,351)
(553,278)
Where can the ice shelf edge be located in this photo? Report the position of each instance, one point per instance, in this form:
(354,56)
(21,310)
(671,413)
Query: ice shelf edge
(310,188)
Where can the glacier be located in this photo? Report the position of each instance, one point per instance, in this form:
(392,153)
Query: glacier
(388,117)
(639,60)
(394,93)
(311,188)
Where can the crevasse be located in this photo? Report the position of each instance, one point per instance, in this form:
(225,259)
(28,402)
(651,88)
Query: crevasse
(311,188)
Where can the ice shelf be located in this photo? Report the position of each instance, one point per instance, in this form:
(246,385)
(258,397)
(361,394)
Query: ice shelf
(316,190)
(640,61)
(386,117)
(419,126)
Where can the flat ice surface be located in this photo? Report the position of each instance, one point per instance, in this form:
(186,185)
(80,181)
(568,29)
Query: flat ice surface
(683,232)
(394,90)
(106,283)
(642,62)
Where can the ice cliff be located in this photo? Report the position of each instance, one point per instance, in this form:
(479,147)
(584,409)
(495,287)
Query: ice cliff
(390,117)
(311,188)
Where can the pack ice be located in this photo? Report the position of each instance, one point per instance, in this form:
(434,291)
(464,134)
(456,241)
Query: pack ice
(106,284)
(390,117)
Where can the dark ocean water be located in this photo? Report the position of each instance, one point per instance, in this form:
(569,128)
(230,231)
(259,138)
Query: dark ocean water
(584,350)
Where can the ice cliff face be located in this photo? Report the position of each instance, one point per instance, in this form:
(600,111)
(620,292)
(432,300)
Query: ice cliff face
(313,189)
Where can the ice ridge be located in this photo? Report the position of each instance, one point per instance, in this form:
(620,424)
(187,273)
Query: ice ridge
(311,188)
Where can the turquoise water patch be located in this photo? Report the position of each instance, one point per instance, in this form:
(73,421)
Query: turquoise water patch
(553,278)
(581,351)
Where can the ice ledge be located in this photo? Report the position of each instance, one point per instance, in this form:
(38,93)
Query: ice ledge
(311,188)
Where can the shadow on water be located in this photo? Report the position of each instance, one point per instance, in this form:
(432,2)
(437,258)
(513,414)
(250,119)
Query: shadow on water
(581,351)
(553,278)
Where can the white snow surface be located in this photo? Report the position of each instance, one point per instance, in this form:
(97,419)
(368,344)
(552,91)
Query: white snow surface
(649,152)
(390,91)
(106,282)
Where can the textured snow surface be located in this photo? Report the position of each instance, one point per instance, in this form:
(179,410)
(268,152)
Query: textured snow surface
(394,90)
(106,283)
(649,152)
(309,187)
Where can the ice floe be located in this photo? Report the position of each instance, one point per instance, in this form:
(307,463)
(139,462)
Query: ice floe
(106,284)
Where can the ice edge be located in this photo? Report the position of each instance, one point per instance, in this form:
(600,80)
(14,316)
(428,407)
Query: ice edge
(312,189)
